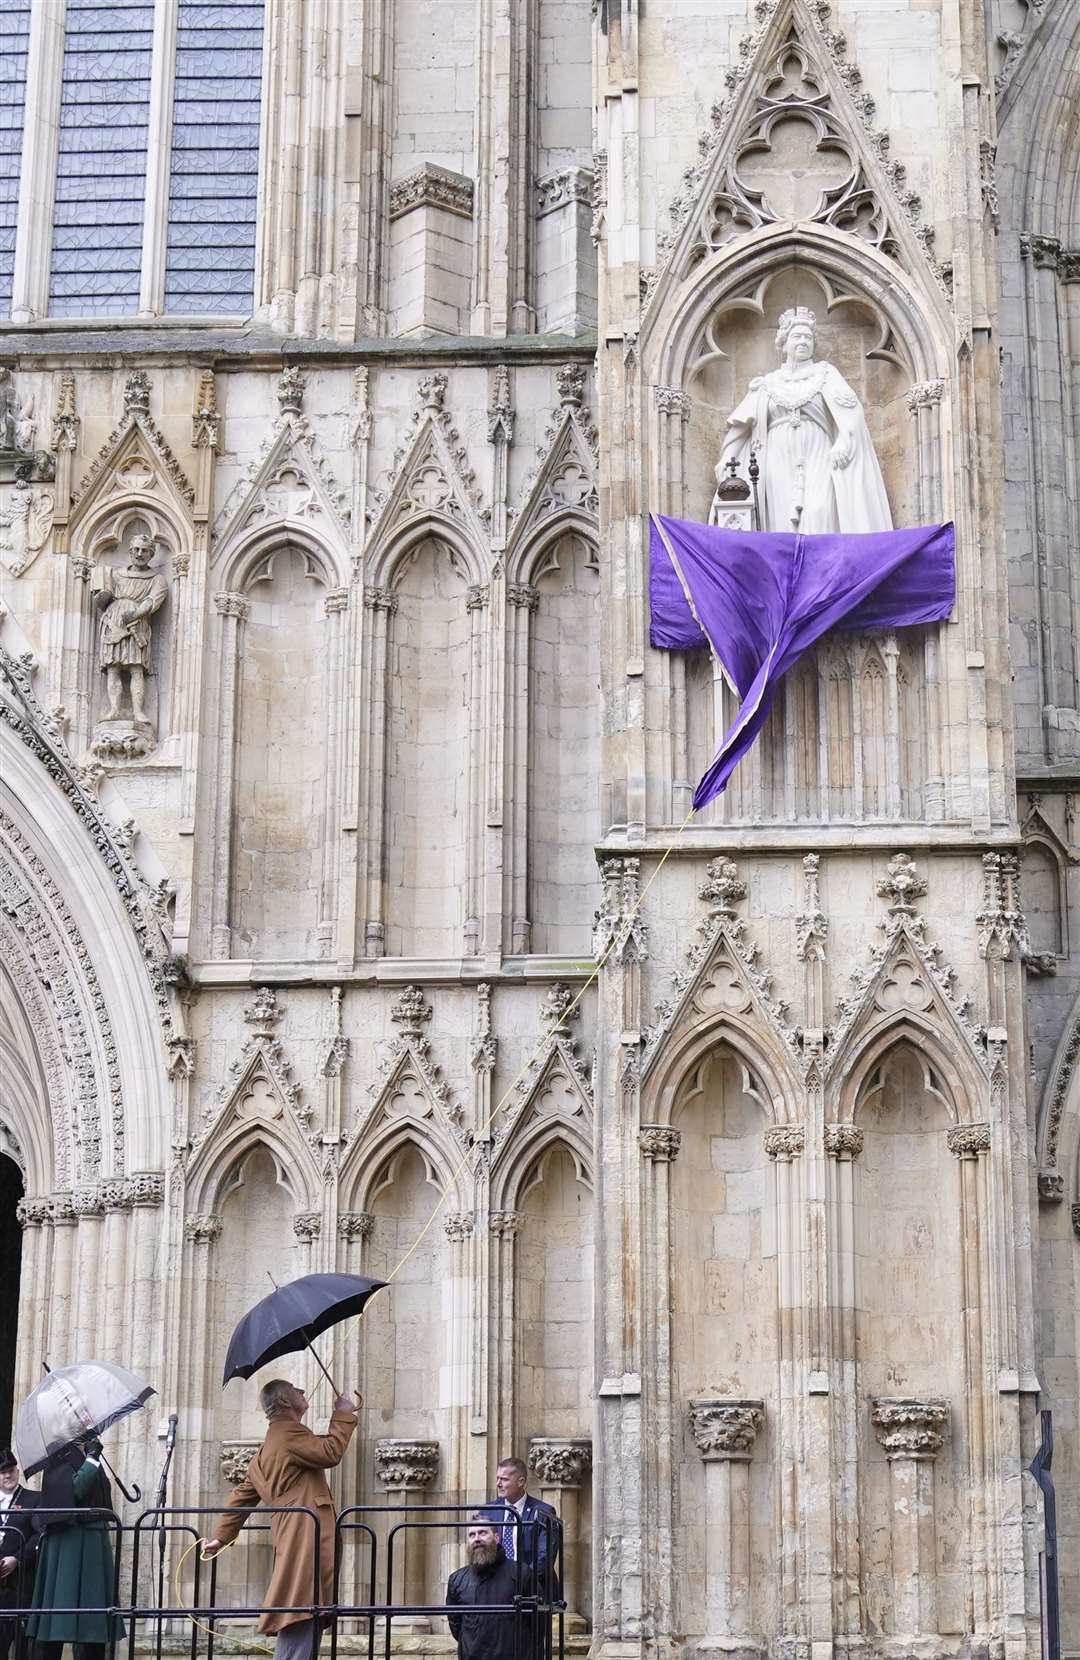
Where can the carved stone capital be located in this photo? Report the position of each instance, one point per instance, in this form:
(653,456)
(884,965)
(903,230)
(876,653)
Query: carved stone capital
(335,600)
(114,1196)
(725,1428)
(228,604)
(62,1209)
(234,1458)
(659,1143)
(1044,252)
(380,599)
(33,1213)
(146,1189)
(560,1462)
(476,596)
(843,1141)
(924,394)
(785,1141)
(671,400)
(88,1202)
(406,1464)
(1075,1214)
(355,1224)
(505,1223)
(433,187)
(559,189)
(1069,265)
(967,1141)
(458,1226)
(908,1427)
(202,1230)
(523,595)
(307,1225)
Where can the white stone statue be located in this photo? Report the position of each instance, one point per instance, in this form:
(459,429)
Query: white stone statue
(819,472)
(134,595)
(25,522)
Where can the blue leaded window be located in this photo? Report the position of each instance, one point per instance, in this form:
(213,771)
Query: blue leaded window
(213,184)
(14,41)
(101,165)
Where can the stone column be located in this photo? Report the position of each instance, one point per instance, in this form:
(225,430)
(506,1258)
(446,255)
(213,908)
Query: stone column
(380,605)
(911,1433)
(60,1302)
(724,1431)
(561,1466)
(504,1227)
(523,599)
(406,1470)
(34,1216)
(660,1144)
(233,609)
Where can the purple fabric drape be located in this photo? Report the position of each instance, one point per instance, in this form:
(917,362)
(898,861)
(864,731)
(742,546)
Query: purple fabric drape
(761,599)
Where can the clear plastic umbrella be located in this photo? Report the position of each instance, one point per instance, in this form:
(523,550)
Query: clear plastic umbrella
(72,1404)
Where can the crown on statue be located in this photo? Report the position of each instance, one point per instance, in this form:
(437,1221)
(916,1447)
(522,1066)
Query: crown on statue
(789,319)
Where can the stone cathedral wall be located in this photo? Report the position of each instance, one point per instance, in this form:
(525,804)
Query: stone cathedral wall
(727,1168)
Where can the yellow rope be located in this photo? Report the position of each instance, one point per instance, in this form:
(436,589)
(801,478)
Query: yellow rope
(262,1648)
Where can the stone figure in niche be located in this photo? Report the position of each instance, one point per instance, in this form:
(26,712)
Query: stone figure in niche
(25,521)
(17,426)
(133,596)
(819,473)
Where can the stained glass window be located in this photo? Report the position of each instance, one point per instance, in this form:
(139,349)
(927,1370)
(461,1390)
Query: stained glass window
(101,166)
(213,185)
(14,40)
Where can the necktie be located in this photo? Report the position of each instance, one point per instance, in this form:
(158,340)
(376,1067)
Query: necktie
(508,1536)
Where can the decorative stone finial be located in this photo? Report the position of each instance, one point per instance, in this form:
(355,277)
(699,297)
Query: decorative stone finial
(570,381)
(410,1011)
(431,390)
(137,393)
(722,887)
(901,886)
(811,924)
(290,390)
(263,1012)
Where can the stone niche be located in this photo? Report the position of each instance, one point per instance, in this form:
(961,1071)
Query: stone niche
(738,344)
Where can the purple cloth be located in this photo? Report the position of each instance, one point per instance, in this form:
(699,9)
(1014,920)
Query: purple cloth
(760,600)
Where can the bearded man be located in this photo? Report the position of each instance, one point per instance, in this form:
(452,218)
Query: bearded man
(488,1579)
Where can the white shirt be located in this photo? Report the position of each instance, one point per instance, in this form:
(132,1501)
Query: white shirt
(6,1499)
(517,1509)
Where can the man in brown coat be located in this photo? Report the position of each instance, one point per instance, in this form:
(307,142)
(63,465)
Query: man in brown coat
(288,1470)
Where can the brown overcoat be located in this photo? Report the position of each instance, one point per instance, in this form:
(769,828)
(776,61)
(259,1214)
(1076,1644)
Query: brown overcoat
(288,1469)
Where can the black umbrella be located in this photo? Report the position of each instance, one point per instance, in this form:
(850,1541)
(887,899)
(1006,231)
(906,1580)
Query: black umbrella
(292,1315)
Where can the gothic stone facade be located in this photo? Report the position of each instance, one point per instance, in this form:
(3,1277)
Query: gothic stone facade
(765,1250)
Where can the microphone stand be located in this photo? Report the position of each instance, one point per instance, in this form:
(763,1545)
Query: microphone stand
(159,1506)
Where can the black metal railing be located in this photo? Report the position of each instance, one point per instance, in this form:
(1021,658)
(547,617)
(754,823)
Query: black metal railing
(370,1542)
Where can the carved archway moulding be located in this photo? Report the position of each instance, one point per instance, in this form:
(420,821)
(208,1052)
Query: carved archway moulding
(1061,1096)
(848,270)
(75,889)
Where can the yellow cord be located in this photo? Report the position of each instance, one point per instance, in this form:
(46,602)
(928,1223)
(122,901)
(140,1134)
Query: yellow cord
(262,1648)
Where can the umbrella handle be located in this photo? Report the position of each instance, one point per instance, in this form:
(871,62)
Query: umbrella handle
(134,1496)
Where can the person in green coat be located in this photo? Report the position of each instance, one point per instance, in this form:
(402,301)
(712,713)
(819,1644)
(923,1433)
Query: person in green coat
(75,1561)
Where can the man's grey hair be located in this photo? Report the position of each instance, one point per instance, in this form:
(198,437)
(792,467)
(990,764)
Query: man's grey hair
(482,1518)
(517,1464)
(276,1397)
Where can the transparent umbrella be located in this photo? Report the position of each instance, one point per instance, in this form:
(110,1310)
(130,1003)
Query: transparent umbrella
(71,1404)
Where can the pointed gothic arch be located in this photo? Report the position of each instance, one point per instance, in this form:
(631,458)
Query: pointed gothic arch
(770,1071)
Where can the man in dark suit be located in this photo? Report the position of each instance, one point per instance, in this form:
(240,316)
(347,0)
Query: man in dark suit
(17,1545)
(487,1580)
(531,1532)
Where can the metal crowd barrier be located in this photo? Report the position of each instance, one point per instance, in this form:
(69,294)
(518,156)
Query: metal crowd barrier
(149,1549)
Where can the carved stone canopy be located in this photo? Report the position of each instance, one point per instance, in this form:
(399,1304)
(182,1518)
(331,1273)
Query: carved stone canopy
(406,1464)
(723,1427)
(908,1427)
(560,1461)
